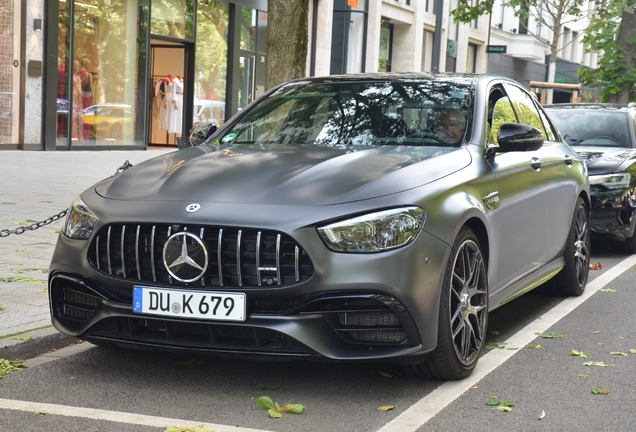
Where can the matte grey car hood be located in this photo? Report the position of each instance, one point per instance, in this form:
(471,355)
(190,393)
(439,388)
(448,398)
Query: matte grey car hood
(281,174)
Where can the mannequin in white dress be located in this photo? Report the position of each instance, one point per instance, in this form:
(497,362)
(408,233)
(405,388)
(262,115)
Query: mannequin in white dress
(177,105)
(165,113)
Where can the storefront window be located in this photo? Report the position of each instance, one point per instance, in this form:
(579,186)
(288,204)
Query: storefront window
(9,71)
(173,18)
(349,27)
(386,42)
(211,62)
(100,90)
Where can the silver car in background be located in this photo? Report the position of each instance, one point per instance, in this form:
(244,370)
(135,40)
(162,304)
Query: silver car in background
(374,217)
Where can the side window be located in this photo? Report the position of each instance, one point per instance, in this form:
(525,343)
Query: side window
(550,130)
(502,113)
(525,109)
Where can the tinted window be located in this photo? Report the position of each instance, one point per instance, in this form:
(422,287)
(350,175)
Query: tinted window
(524,106)
(502,113)
(355,113)
(593,128)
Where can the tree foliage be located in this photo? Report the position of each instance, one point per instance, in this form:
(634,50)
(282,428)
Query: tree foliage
(551,14)
(616,38)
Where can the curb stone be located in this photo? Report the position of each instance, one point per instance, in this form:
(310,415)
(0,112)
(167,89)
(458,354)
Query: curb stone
(43,341)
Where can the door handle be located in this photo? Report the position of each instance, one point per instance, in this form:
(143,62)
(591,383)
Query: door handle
(537,163)
(568,160)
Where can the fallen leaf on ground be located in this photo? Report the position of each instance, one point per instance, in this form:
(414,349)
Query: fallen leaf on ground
(596,266)
(578,353)
(618,353)
(592,363)
(386,407)
(598,391)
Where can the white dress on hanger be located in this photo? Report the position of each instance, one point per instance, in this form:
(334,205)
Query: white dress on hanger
(166,107)
(176,111)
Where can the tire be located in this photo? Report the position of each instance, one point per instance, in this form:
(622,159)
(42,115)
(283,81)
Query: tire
(115,132)
(571,280)
(463,314)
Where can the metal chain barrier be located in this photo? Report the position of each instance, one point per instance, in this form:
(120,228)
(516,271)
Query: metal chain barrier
(33,226)
(60,215)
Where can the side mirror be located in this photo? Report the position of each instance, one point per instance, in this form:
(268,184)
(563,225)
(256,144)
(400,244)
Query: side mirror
(519,137)
(201,132)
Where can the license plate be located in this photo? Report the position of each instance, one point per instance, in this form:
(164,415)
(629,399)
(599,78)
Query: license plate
(209,305)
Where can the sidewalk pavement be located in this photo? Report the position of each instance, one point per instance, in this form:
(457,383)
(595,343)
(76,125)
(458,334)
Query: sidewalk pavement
(35,186)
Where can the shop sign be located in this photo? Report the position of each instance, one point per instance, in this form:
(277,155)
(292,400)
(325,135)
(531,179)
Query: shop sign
(501,49)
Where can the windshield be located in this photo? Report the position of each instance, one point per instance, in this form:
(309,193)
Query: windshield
(371,113)
(593,128)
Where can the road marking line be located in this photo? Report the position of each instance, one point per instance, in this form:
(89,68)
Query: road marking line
(113,416)
(427,407)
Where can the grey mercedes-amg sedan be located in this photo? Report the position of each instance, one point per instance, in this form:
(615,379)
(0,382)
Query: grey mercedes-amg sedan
(343,218)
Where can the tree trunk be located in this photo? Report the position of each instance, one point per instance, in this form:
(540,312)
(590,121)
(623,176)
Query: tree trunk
(627,31)
(287,40)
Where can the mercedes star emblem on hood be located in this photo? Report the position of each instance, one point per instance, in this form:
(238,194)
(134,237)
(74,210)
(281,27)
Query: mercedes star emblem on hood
(185,257)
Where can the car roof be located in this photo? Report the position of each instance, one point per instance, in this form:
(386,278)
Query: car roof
(403,76)
(593,106)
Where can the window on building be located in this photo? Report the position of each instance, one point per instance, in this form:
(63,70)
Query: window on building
(100,84)
(173,18)
(471,58)
(386,44)
(427,51)
(9,75)
(348,36)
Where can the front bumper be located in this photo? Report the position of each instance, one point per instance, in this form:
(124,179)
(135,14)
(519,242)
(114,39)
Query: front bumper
(354,307)
(613,213)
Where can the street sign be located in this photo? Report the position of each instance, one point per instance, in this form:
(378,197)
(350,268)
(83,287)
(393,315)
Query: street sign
(501,49)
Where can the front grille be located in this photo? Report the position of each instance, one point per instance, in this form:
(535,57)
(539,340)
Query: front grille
(236,257)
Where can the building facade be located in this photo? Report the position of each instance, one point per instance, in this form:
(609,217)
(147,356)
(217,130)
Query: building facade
(128,74)
(524,46)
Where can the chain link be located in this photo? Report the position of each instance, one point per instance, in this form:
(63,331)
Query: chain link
(33,226)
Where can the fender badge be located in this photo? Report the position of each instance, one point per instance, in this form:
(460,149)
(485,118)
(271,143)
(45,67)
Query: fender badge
(193,207)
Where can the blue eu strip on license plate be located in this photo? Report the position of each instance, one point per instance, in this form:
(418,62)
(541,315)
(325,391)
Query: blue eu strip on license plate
(209,305)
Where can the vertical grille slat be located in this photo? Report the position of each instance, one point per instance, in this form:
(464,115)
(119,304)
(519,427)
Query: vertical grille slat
(137,252)
(278,280)
(219,255)
(238,258)
(110,268)
(258,259)
(152,254)
(245,257)
(297,263)
(122,251)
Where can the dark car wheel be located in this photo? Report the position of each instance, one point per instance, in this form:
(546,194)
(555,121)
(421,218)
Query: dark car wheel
(463,314)
(115,132)
(571,280)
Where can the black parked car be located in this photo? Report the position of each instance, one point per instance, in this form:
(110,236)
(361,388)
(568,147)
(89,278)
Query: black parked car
(343,218)
(603,134)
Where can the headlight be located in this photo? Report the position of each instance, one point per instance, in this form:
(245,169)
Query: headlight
(80,221)
(374,232)
(611,181)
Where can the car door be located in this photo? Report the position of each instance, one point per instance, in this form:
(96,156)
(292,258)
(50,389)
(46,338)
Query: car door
(522,198)
(557,159)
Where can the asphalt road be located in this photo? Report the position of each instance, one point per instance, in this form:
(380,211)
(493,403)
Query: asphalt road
(98,389)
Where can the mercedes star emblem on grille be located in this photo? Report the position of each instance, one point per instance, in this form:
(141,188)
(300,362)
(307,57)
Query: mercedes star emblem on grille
(193,207)
(185,257)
